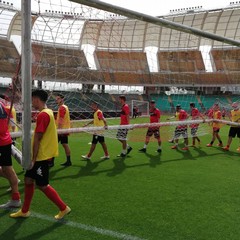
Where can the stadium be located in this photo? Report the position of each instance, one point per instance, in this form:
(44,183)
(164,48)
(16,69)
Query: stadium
(90,51)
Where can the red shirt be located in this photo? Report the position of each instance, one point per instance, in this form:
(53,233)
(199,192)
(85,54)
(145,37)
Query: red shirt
(124,115)
(5,137)
(154,115)
(43,120)
(182,116)
(62,111)
(195,114)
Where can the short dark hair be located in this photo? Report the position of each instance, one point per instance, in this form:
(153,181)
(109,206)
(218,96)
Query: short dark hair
(122,97)
(41,94)
(60,95)
(192,104)
(152,101)
(178,106)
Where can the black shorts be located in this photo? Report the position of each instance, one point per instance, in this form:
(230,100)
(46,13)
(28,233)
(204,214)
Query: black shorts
(233,131)
(194,131)
(39,172)
(5,155)
(122,134)
(97,139)
(180,131)
(152,131)
(63,139)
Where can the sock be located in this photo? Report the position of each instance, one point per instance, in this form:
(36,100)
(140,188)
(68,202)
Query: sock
(159,147)
(68,158)
(145,146)
(124,151)
(220,141)
(16,196)
(51,193)
(28,195)
(106,153)
(211,142)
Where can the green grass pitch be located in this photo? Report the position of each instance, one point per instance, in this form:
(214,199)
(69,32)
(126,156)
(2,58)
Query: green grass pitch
(172,195)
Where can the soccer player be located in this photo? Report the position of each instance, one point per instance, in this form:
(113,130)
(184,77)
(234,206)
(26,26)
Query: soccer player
(216,126)
(98,121)
(63,122)
(7,170)
(181,115)
(44,147)
(234,130)
(154,118)
(122,133)
(135,111)
(194,127)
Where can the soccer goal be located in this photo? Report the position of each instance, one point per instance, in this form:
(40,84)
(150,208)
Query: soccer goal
(139,108)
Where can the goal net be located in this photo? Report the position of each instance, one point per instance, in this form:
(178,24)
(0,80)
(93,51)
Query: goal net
(139,108)
(87,55)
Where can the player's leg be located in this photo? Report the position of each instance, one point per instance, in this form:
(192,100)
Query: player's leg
(104,147)
(9,173)
(92,148)
(185,136)
(43,184)
(64,142)
(147,139)
(177,134)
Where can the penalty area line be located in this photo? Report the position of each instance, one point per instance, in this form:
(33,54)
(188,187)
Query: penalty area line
(85,227)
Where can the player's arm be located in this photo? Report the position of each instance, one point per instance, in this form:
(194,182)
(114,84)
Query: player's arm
(89,123)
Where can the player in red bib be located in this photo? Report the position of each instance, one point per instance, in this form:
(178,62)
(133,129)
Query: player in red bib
(154,118)
(181,115)
(6,159)
(122,133)
(194,127)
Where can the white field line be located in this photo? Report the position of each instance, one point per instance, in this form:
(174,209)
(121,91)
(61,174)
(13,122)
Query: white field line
(89,228)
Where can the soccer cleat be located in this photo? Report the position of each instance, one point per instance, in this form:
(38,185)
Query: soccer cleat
(226,148)
(220,145)
(20,214)
(174,147)
(61,214)
(238,149)
(129,149)
(11,204)
(121,155)
(105,157)
(86,157)
(159,150)
(209,145)
(142,150)
(66,164)
(185,148)
(10,189)
(171,141)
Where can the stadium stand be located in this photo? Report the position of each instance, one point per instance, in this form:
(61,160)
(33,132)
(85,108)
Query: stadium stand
(9,58)
(122,61)
(226,59)
(181,61)
(53,62)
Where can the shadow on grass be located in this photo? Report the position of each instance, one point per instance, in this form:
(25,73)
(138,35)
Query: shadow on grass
(12,231)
